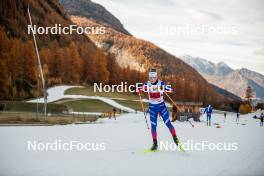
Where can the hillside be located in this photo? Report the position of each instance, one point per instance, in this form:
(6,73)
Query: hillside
(70,59)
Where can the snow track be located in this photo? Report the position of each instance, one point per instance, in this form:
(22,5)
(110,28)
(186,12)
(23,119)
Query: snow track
(125,140)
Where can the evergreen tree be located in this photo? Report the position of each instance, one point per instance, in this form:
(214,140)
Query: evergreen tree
(249,94)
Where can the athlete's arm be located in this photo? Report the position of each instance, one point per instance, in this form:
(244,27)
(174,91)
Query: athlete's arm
(166,87)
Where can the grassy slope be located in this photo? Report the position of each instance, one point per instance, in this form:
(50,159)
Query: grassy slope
(128,97)
(90,92)
(132,104)
(88,106)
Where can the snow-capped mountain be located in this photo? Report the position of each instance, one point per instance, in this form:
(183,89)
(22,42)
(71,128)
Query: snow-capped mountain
(223,76)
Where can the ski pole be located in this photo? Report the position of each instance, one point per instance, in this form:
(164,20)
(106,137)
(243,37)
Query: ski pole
(190,122)
(177,107)
(143,109)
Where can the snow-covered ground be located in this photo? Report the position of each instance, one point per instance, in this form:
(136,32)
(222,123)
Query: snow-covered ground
(56,93)
(124,140)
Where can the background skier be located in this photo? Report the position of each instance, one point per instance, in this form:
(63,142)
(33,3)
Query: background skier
(237,119)
(208,112)
(261,119)
(114,113)
(155,89)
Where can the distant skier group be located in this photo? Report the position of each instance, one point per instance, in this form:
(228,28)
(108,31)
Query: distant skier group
(208,111)
(261,118)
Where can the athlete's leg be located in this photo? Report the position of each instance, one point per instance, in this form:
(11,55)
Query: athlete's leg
(165,116)
(153,119)
(210,116)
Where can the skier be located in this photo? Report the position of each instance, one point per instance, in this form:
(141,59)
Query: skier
(208,112)
(155,89)
(114,113)
(225,115)
(237,119)
(261,119)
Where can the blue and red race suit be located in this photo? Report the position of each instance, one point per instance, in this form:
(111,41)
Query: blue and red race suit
(157,105)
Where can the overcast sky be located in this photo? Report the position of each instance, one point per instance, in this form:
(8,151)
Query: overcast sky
(217,30)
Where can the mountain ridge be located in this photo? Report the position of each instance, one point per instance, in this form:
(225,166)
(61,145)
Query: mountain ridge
(94,11)
(207,67)
(233,80)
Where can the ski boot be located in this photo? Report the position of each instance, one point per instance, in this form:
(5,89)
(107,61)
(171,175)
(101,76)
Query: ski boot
(154,145)
(176,140)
